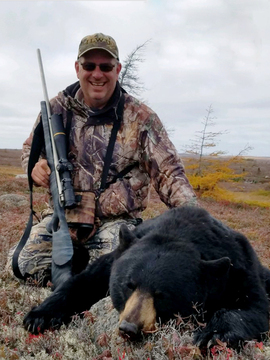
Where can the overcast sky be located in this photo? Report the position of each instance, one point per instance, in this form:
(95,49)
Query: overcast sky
(201,53)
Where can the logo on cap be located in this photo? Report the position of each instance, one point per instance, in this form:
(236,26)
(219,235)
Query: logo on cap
(99,41)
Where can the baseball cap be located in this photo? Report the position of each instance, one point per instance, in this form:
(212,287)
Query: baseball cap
(98,41)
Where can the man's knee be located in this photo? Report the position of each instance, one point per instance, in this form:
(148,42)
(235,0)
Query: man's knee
(35,256)
(106,238)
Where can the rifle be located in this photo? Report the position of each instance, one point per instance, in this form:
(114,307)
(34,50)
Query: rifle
(60,186)
(51,129)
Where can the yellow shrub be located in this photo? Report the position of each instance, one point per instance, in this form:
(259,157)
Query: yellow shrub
(206,177)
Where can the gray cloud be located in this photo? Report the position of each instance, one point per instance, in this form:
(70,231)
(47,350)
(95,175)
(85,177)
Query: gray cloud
(210,52)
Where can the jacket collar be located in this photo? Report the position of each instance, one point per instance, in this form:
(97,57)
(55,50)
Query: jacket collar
(106,115)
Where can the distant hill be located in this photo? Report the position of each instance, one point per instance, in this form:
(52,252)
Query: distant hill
(11,157)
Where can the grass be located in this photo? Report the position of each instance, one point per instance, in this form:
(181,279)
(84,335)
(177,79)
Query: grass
(10,170)
(95,336)
(260,197)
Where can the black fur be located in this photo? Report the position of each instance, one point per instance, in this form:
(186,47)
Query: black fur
(185,259)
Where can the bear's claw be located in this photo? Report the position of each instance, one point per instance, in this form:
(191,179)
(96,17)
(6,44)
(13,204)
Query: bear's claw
(38,320)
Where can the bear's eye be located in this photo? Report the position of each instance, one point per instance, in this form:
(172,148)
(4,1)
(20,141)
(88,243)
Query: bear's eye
(131,285)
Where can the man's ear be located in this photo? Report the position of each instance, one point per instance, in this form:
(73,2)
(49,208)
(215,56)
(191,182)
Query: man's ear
(118,68)
(77,67)
(126,238)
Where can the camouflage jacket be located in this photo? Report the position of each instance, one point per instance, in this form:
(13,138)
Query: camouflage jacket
(141,140)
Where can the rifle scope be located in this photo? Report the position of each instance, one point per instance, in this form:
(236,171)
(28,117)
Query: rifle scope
(64,167)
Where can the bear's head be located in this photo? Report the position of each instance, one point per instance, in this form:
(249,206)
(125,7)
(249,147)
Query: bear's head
(157,277)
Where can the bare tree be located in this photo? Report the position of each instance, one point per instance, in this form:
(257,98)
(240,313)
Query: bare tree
(244,151)
(205,139)
(129,78)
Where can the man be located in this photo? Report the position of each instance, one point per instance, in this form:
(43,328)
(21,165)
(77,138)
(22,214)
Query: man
(142,153)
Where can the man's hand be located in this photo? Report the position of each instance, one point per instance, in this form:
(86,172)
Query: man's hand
(41,173)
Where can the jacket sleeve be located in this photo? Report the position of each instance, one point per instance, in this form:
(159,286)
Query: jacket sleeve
(164,165)
(26,148)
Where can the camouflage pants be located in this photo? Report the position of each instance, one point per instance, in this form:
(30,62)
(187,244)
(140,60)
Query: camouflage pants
(36,256)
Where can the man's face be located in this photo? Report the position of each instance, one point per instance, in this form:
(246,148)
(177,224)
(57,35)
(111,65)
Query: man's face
(97,85)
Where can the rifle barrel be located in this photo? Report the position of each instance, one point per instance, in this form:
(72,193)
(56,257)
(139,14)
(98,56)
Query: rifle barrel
(48,106)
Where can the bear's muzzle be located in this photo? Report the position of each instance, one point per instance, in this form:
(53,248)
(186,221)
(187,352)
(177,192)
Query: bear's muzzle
(138,315)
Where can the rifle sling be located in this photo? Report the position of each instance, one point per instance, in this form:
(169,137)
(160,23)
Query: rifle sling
(109,152)
(122,173)
(33,158)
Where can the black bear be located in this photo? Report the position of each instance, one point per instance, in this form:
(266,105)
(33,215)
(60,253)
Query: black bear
(182,262)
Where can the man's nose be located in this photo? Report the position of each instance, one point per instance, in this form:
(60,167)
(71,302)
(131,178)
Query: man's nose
(97,73)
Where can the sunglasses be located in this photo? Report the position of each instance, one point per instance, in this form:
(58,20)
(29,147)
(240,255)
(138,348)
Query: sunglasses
(105,67)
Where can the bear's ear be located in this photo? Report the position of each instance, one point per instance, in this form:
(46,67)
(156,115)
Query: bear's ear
(126,238)
(216,274)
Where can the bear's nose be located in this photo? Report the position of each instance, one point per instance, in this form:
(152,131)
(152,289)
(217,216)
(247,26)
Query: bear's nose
(128,328)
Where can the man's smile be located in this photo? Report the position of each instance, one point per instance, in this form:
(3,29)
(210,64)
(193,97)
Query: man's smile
(97,84)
